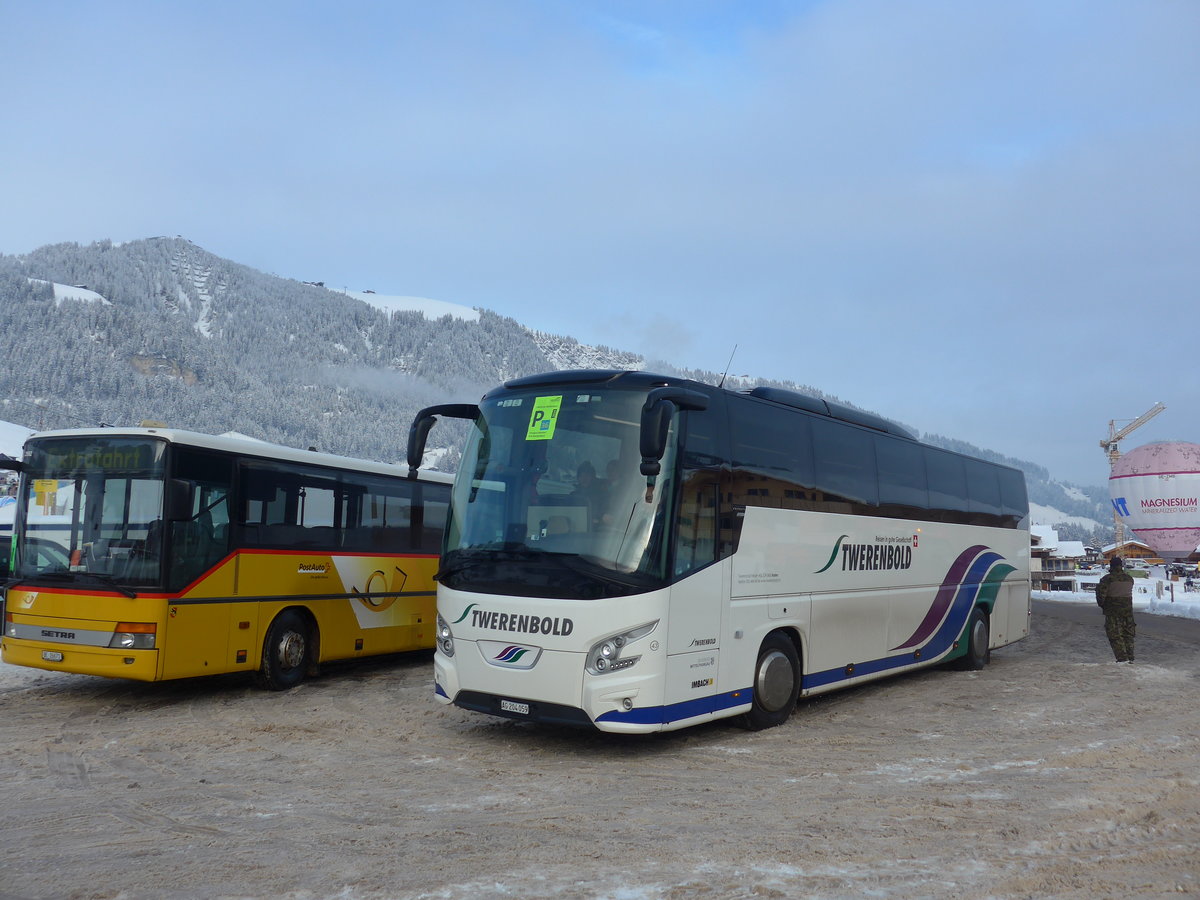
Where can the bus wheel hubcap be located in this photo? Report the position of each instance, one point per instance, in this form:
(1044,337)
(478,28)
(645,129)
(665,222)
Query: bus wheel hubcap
(773,687)
(291,650)
(979,639)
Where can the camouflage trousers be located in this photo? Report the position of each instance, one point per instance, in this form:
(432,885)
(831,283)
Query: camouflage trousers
(1120,628)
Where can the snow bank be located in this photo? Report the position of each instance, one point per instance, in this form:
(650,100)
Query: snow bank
(1157,596)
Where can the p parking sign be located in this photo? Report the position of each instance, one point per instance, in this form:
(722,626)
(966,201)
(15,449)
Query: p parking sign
(543,418)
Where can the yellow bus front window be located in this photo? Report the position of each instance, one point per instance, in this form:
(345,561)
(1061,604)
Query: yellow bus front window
(94,506)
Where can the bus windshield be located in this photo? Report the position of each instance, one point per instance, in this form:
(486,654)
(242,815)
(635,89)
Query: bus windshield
(549,499)
(94,507)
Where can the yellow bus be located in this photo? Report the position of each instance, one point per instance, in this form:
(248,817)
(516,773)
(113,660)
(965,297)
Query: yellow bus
(152,554)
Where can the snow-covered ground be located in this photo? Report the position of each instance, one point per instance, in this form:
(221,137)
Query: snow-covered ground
(1156,594)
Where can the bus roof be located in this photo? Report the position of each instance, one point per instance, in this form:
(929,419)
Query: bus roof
(637,379)
(246,446)
(647,380)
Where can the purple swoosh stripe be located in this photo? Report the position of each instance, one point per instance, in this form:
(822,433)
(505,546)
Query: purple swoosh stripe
(945,596)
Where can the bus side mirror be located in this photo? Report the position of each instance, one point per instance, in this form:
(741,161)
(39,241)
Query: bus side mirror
(660,405)
(425,420)
(13,465)
(178,501)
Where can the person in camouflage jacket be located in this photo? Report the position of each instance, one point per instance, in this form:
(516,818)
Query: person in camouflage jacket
(1114,595)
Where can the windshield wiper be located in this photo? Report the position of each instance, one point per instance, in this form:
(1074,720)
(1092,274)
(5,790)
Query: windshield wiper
(111,582)
(607,581)
(474,557)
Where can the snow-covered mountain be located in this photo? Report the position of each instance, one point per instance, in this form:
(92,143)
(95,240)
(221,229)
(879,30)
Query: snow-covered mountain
(161,329)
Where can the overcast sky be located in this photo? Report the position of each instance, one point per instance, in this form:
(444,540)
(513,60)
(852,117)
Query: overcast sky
(979,218)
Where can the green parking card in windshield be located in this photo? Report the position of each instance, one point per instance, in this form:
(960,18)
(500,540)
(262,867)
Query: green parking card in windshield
(544,418)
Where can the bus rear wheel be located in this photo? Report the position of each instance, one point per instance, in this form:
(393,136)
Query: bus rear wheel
(978,636)
(286,652)
(776,683)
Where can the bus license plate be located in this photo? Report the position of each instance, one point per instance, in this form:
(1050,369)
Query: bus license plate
(513,707)
(52,655)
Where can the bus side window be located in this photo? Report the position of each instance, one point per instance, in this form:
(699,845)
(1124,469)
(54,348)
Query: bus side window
(202,539)
(436,508)
(1013,501)
(696,526)
(903,488)
(947,486)
(385,518)
(772,459)
(983,493)
(846,475)
(697,531)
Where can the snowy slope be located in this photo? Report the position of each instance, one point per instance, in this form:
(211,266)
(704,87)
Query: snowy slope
(568,353)
(1048,515)
(12,439)
(69,292)
(430,309)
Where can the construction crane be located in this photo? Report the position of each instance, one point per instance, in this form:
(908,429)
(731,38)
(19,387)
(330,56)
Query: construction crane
(1112,450)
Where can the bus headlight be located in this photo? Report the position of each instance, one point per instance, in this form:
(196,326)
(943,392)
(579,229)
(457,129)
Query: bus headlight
(610,654)
(134,636)
(445,637)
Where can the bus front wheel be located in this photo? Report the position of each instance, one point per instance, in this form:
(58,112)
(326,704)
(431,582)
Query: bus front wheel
(286,652)
(978,637)
(776,683)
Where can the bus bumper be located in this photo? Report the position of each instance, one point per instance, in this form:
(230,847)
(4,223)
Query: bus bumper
(139,665)
(628,703)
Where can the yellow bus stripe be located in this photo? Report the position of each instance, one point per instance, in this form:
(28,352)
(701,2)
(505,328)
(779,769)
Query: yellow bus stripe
(297,598)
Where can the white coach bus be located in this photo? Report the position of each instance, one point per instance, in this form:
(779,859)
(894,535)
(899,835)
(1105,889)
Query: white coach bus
(643,553)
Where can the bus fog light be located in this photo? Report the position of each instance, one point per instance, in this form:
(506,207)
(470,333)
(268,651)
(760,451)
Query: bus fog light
(605,656)
(627,704)
(445,637)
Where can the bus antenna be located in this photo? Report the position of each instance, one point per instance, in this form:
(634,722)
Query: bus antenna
(727,365)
